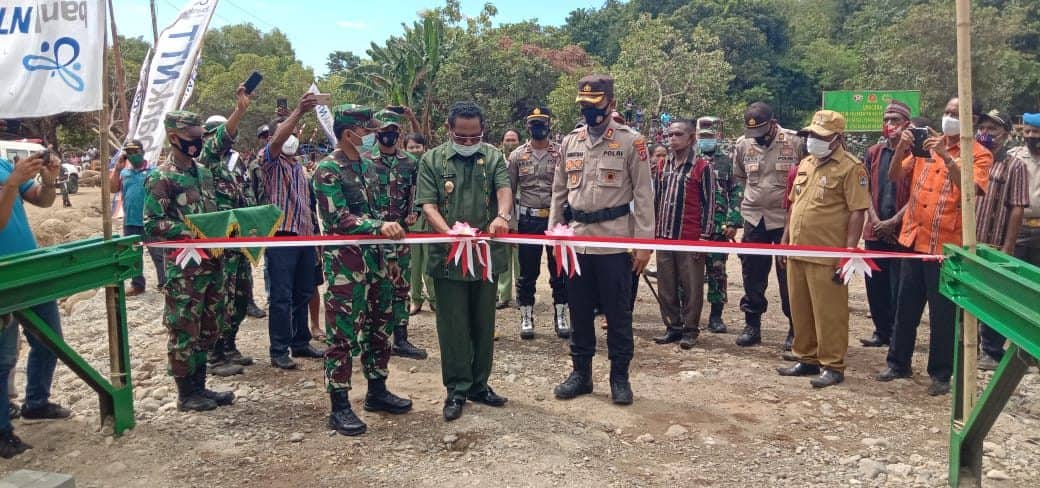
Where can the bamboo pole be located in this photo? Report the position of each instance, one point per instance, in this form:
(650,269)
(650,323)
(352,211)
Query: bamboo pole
(970,329)
(120,75)
(155,27)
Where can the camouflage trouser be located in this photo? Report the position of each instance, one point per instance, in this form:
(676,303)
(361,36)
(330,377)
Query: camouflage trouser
(398,271)
(358,318)
(715,275)
(194,307)
(238,281)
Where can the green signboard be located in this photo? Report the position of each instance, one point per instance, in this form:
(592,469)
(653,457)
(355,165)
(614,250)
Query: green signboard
(863,109)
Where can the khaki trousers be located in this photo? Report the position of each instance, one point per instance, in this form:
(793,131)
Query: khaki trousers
(680,287)
(820,312)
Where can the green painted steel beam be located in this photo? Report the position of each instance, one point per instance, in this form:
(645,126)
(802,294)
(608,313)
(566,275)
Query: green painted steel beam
(1003,292)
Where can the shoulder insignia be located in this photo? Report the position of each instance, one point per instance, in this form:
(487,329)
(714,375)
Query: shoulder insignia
(581,135)
(609,134)
(640,145)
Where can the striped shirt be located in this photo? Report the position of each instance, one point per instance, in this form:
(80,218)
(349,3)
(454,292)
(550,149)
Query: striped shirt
(684,198)
(933,213)
(1008,187)
(286,186)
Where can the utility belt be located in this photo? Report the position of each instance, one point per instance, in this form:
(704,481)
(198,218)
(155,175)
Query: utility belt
(538,213)
(598,216)
(1033,223)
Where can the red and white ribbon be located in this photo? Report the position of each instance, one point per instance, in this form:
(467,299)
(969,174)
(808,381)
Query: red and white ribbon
(566,255)
(186,256)
(857,266)
(462,250)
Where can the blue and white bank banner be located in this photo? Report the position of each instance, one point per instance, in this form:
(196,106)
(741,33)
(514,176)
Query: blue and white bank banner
(173,59)
(324,115)
(51,57)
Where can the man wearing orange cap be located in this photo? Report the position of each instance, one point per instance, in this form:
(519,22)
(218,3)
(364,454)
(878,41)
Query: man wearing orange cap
(829,201)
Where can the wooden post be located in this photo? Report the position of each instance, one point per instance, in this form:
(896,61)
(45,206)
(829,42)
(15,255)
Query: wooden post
(970,335)
(155,27)
(120,75)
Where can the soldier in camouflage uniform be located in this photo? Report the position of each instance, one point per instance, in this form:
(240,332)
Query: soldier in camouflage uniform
(728,195)
(194,294)
(232,191)
(358,301)
(396,170)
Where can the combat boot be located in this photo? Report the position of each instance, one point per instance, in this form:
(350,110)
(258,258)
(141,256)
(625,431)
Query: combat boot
(526,322)
(404,348)
(221,398)
(752,333)
(232,353)
(715,323)
(343,419)
(620,389)
(562,321)
(379,399)
(219,364)
(189,399)
(579,382)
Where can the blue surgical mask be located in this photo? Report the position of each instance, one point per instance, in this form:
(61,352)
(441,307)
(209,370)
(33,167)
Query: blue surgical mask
(368,141)
(707,145)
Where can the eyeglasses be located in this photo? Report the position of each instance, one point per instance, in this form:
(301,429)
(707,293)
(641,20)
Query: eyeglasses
(467,140)
(676,134)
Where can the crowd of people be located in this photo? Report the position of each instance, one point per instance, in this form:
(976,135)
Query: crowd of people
(776,186)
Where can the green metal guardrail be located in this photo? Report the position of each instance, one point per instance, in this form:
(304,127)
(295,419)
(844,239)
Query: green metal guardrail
(50,273)
(1004,293)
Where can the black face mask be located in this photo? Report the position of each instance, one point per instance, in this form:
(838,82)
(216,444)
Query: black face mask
(764,140)
(539,132)
(388,139)
(1033,143)
(594,116)
(191,147)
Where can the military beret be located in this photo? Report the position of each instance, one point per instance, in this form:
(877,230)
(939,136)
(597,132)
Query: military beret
(182,119)
(1031,119)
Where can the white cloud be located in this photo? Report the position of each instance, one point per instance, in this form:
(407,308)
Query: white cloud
(347,24)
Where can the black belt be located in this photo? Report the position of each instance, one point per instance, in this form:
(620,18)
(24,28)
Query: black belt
(538,213)
(598,216)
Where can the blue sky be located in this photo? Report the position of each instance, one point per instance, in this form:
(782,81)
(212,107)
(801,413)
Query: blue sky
(318,27)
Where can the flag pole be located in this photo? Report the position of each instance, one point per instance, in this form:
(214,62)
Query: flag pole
(970,328)
(117,56)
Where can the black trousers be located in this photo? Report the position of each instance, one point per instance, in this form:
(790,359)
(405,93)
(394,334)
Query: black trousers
(755,270)
(883,288)
(605,279)
(919,285)
(529,257)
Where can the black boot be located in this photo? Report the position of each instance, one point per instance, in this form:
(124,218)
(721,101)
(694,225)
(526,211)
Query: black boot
(232,353)
(579,382)
(189,399)
(404,348)
(620,389)
(222,398)
(379,399)
(715,323)
(343,419)
(789,341)
(752,333)
(218,361)
(689,337)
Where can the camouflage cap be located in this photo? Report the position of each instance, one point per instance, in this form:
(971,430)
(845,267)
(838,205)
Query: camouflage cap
(353,115)
(182,119)
(386,118)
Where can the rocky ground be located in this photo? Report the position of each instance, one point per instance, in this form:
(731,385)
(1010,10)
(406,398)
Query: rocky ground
(716,415)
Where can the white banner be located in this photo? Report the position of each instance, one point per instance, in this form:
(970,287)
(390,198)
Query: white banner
(172,62)
(52,57)
(135,107)
(324,117)
(188,90)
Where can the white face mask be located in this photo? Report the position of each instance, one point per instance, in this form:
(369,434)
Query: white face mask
(818,147)
(465,151)
(951,126)
(290,146)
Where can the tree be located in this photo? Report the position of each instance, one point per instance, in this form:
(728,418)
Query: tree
(342,61)
(660,70)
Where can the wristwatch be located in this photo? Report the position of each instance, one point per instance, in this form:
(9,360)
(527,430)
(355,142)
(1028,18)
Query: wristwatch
(506,217)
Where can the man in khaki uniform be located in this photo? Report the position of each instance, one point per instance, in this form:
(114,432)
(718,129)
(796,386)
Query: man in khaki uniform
(761,160)
(829,200)
(602,189)
(532,167)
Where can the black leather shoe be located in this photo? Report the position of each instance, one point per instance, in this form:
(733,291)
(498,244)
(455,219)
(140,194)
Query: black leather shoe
(937,388)
(788,356)
(890,374)
(47,411)
(716,325)
(669,337)
(689,339)
(874,341)
(799,369)
(308,352)
(829,377)
(453,408)
(14,410)
(254,311)
(283,362)
(489,398)
(749,337)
